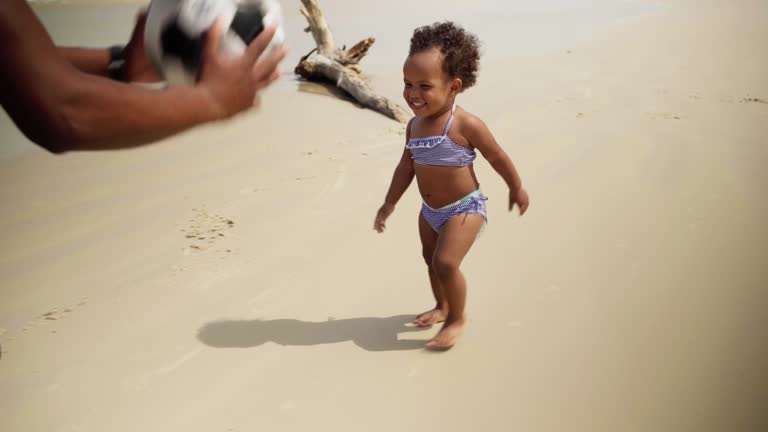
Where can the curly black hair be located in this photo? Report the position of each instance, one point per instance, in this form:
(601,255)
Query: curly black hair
(461,49)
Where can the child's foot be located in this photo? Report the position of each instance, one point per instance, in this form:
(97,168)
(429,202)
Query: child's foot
(431,317)
(448,335)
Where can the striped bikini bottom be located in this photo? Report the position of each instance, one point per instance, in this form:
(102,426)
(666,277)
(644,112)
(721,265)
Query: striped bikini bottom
(473,203)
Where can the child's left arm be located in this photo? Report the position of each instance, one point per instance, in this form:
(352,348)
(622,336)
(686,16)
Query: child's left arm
(481,138)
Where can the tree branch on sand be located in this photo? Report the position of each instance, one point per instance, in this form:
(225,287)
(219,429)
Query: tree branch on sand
(341,67)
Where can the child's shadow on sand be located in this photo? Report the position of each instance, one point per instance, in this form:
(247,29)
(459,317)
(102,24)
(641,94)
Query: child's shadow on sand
(371,334)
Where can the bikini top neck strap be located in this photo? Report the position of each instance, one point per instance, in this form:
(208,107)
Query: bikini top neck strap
(450,119)
(447,125)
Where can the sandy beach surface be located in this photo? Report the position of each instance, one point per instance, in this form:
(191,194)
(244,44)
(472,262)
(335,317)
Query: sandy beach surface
(228,279)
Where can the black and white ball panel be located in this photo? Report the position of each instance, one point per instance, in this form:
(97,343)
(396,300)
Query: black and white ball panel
(175,31)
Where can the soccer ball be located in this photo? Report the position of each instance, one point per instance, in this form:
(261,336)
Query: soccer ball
(174,34)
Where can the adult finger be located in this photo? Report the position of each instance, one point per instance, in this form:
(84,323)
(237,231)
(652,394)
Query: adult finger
(141,16)
(212,40)
(264,68)
(258,45)
(275,76)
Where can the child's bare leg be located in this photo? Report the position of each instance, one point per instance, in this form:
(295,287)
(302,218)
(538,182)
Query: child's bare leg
(428,243)
(455,240)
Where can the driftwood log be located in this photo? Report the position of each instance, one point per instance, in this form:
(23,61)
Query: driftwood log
(341,67)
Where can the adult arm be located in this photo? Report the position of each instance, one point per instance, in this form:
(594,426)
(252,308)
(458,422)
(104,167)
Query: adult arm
(62,108)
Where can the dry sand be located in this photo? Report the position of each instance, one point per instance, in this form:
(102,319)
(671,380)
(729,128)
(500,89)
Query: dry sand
(228,279)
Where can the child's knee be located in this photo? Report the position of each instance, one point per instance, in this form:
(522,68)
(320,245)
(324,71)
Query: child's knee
(444,266)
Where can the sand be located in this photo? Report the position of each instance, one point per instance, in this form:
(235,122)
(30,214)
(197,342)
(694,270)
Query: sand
(228,279)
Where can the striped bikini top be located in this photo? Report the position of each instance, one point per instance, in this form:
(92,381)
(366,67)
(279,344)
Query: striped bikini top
(440,150)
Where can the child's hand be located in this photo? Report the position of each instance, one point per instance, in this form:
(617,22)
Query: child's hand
(519,197)
(379,224)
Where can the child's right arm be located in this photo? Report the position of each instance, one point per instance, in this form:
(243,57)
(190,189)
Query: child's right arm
(401,179)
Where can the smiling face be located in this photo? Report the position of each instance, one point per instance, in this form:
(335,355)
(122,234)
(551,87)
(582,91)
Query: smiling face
(428,89)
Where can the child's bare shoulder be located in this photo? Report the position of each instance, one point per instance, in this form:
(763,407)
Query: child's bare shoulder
(469,124)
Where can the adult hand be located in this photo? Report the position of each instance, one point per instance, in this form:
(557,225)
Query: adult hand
(234,83)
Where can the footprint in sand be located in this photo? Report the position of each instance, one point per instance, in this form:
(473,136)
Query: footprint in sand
(55,314)
(744,100)
(204,230)
(754,100)
(665,116)
(250,190)
(58,313)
